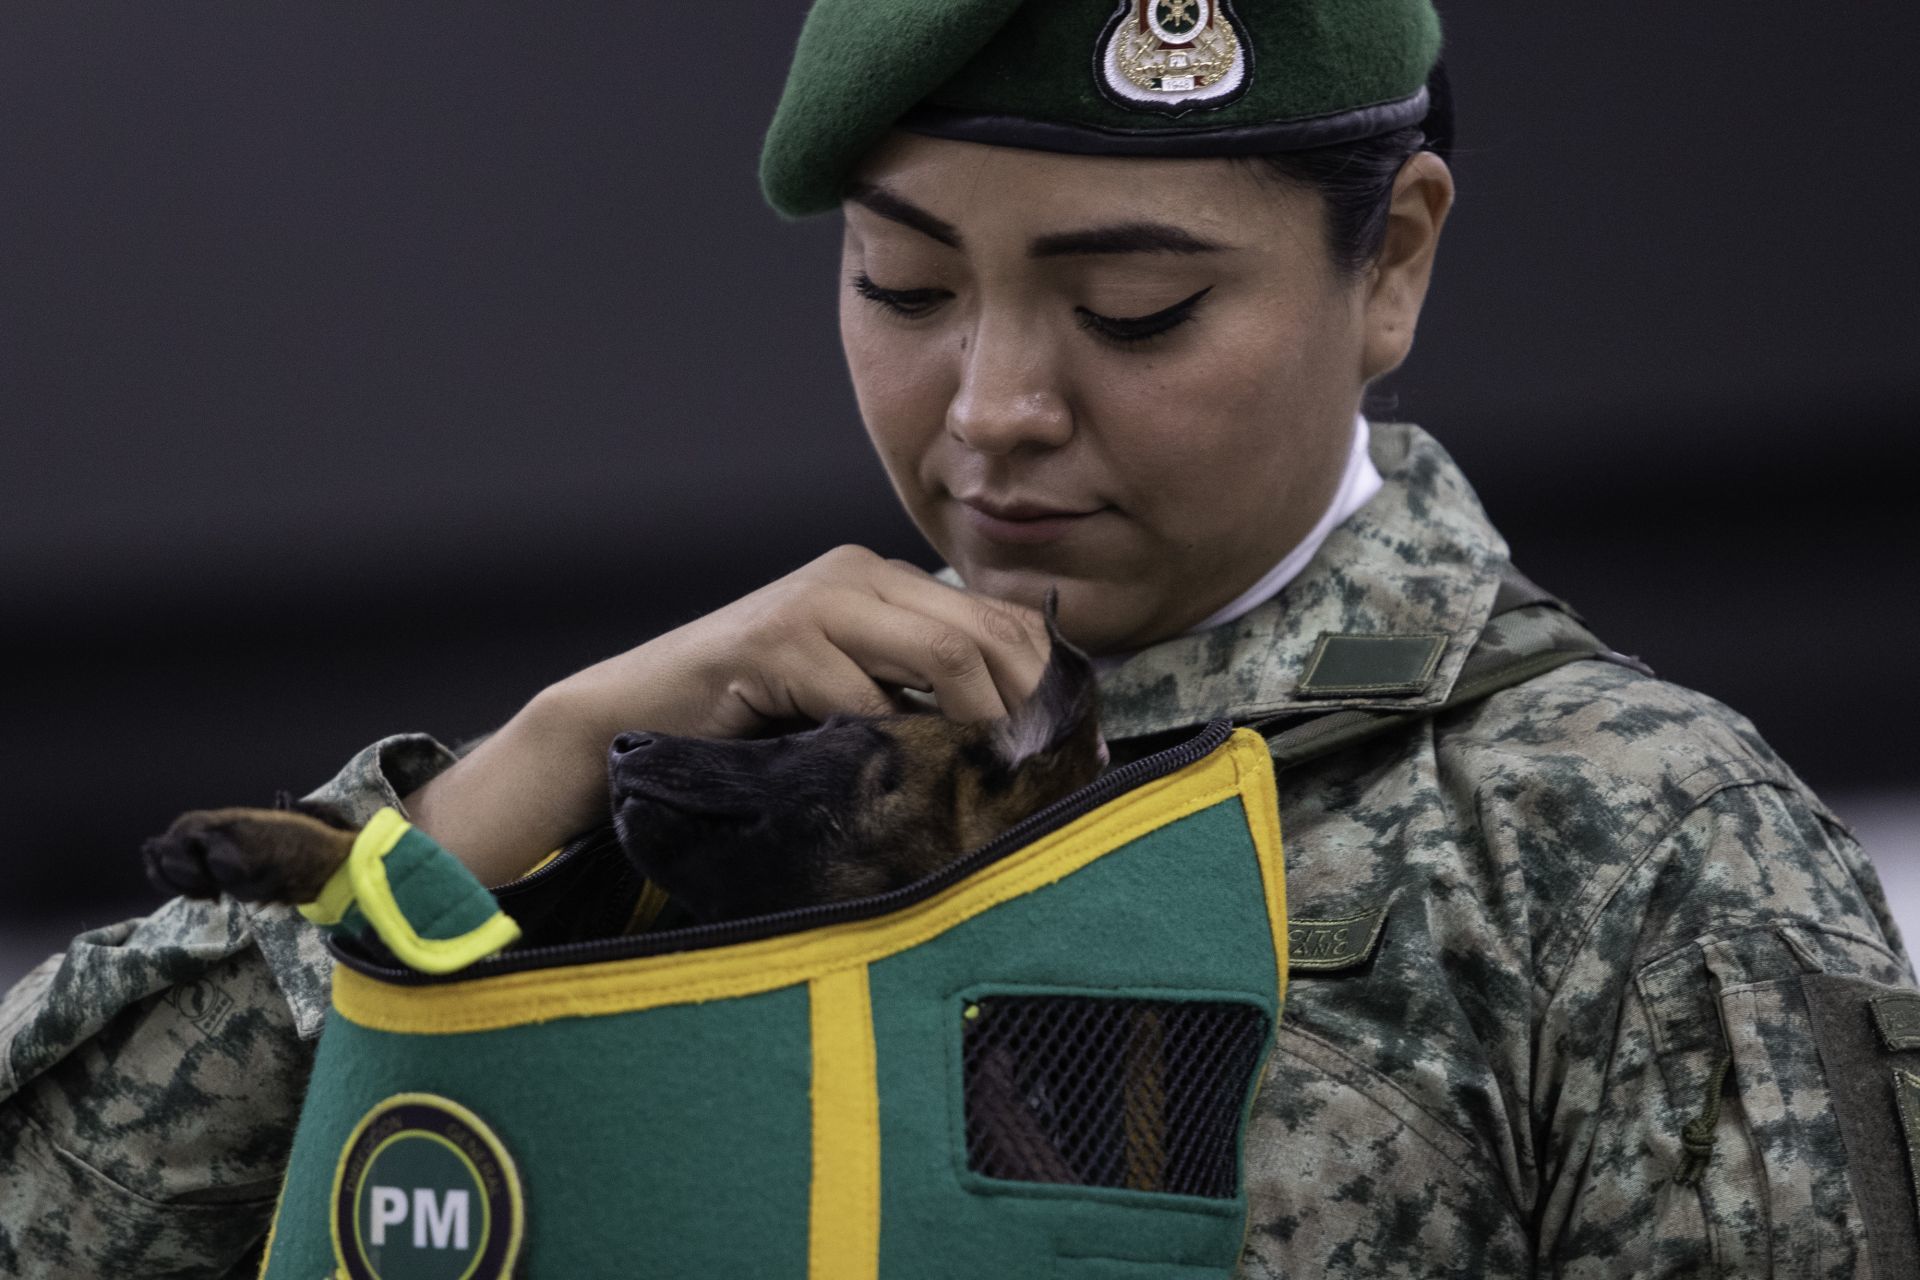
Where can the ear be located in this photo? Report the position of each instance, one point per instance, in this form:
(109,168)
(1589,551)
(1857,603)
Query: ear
(1063,708)
(1422,197)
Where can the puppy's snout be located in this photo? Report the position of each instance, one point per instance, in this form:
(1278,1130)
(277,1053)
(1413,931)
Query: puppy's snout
(628,743)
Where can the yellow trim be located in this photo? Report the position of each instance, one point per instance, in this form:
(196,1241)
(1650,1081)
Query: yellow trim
(530,870)
(647,907)
(769,964)
(273,1227)
(843,1216)
(366,872)
(450,955)
(1261,798)
(335,896)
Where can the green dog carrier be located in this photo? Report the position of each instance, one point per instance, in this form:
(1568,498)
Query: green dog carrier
(1039,1061)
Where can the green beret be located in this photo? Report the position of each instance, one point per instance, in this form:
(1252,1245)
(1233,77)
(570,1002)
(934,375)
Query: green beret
(1099,77)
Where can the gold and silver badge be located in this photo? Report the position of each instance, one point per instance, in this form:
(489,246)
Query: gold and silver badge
(1173,55)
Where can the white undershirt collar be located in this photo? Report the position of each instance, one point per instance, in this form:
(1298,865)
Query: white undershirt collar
(1358,484)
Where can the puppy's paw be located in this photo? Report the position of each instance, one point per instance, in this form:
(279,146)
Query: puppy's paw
(258,855)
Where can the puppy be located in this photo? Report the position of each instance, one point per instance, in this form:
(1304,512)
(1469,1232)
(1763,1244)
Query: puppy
(740,827)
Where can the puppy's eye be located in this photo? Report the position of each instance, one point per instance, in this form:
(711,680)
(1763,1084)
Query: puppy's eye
(887,774)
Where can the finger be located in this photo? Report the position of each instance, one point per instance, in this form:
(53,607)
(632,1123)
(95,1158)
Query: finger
(923,588)
(1012,639)
(1033,621)
(912,649)
(827,682)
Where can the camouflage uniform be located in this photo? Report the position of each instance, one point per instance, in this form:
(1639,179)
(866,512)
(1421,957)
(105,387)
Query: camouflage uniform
(1581,985)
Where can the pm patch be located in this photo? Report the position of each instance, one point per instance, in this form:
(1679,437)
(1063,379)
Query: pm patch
(425,1191)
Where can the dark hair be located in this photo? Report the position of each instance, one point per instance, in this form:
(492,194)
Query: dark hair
(1355,183)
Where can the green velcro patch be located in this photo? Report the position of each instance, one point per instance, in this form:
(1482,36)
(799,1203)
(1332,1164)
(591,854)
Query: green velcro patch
(1898,1017)
(1343,665)
(1320,946)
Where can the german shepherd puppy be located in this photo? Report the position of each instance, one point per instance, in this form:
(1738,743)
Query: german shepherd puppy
(739,827)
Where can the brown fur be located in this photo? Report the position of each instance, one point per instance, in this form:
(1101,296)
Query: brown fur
(277,855)
(947,803)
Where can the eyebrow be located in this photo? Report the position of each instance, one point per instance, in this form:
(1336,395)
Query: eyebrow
(905,212)
(1125,237)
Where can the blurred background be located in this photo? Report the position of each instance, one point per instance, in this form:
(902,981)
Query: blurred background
(365,367)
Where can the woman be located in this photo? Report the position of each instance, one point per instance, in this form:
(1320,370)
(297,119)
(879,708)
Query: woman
(1587,980)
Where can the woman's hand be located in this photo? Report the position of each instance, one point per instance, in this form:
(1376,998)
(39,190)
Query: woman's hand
(843,634)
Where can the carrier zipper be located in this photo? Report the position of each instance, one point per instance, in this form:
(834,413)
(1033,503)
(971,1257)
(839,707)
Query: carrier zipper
(552,866)
(753,928)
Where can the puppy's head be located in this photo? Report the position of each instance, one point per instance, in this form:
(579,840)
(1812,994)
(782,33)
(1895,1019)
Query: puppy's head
(741,827)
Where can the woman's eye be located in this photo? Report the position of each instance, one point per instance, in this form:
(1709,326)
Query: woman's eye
(1125,329)
(903,302)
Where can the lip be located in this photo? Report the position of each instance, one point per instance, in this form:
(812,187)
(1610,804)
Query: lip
(657,798)
(1022,522)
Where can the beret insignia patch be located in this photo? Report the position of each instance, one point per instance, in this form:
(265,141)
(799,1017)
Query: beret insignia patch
(1173,56)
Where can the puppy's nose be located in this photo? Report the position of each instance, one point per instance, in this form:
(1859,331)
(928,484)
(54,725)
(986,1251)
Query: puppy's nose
(629,742)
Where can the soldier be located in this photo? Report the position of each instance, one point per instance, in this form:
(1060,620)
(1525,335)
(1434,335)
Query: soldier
(1587,982)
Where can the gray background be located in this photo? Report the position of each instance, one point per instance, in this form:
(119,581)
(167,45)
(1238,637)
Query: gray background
(363,367)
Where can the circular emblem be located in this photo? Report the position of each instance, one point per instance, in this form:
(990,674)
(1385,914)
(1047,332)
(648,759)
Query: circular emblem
(1173,56)
(1175,21)
(425,1191)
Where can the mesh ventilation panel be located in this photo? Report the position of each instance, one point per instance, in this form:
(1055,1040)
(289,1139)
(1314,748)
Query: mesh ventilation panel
(1138,1094)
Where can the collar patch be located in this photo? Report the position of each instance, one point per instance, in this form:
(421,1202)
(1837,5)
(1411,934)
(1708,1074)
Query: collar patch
(1356,665)
(1173,56)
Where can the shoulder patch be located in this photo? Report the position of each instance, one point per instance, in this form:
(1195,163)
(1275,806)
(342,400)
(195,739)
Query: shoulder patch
(1325,946)
(1875,1097)
(1898,1019)
(1906,1087)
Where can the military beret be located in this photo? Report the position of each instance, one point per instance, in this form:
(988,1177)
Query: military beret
(1099,77)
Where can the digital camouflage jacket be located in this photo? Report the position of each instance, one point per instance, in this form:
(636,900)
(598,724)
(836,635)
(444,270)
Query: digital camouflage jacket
(1586,982)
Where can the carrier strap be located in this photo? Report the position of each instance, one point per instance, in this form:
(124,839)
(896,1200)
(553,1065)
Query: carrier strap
(1529,633)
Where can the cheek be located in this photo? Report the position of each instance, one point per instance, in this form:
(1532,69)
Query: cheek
(1219,446)
(903,384)
(1185,423)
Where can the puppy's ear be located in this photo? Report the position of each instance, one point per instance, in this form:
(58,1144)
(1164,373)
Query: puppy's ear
(1063,712)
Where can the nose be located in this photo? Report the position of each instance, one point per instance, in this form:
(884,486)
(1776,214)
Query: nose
(1008,398)
(628,743)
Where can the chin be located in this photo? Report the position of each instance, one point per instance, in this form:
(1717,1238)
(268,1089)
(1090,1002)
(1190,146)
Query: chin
(1098,616)
(1022,586)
